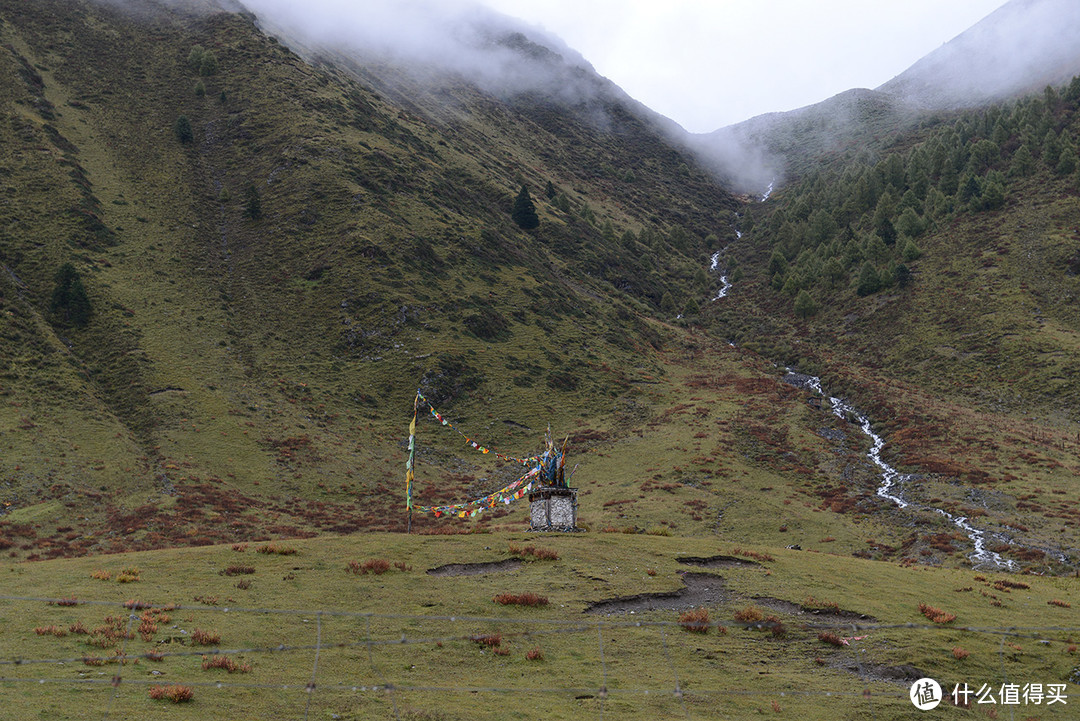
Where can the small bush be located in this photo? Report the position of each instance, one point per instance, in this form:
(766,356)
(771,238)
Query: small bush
(960,654)
(534,654)
(226,663)
(57,631)
(750,614)
(67,601)
(501,651)
(79,628)
(135,604)
(830,638)
(521,599)
(205,638)
(532,552)
(776,626)
(176,694)
(752,554)
(236,570)
(1062,604)
(695,620)
(277,549)
(490,640)
(239,547)
(128,575)
(101,575)
(376,566)
(936,614)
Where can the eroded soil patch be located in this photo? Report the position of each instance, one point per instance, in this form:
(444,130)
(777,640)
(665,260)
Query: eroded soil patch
(475,569)
(720,561)
(795,609)
(702,589)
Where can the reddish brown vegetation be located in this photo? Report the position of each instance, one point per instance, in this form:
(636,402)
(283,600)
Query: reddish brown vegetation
(534,654)
(695,620)
(936,614)
(226,663)
(533,552)
(176,694)
(830,638)
(520,599)
(205,638)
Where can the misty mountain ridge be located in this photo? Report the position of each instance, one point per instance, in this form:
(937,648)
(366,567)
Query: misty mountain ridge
(1022,47)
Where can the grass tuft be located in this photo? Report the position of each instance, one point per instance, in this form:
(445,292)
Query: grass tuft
(174,693)
(695,620)
(520,599)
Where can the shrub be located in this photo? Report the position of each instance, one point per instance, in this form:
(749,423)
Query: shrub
(377,566)
(101,575)
(959,654)
(57,631)
(226,663)
(695,620)
(764,557)
(276,548)
(205,638)
(128,575)
(78,627)
(936,614)
(830,638)
(1062,604)
(239,547)
(67,601)
(174,693)
(500,651)
(237,570)
(534,654)
(490,640)
(534,553)
(750,614)
(522,599)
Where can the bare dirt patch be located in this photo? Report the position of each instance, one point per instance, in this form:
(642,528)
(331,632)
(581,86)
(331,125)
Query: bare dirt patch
(720,561)
(796,609)
(702,589)
(475,569)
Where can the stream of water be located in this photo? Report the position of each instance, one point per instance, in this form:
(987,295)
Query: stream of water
(891,479)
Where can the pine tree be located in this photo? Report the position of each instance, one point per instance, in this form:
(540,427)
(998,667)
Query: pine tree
(182,128)
(252,203)
(69,302)
(805,305)
(869,280)
(524,212)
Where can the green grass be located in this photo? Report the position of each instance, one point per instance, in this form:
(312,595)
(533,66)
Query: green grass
(418,627)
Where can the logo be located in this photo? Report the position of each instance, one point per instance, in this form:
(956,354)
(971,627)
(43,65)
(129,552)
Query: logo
(925,694)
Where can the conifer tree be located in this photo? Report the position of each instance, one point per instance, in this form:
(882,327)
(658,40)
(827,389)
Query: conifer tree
(182,128)
(69,302)
(524,212)
(252,203)
(805,305)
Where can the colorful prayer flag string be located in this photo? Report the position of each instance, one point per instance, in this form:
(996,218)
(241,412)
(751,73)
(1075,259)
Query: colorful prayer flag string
(469,441)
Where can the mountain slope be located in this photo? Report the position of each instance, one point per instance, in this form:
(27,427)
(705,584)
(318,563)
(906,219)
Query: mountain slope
(1022,47)
(268,294)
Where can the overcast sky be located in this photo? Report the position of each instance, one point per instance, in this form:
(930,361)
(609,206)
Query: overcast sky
(711,63)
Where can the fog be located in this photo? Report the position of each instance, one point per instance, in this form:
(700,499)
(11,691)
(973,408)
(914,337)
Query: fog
(1022,45)
(1025,45)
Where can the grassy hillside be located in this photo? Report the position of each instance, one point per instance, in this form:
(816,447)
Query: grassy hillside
(267,295)
(962,343)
